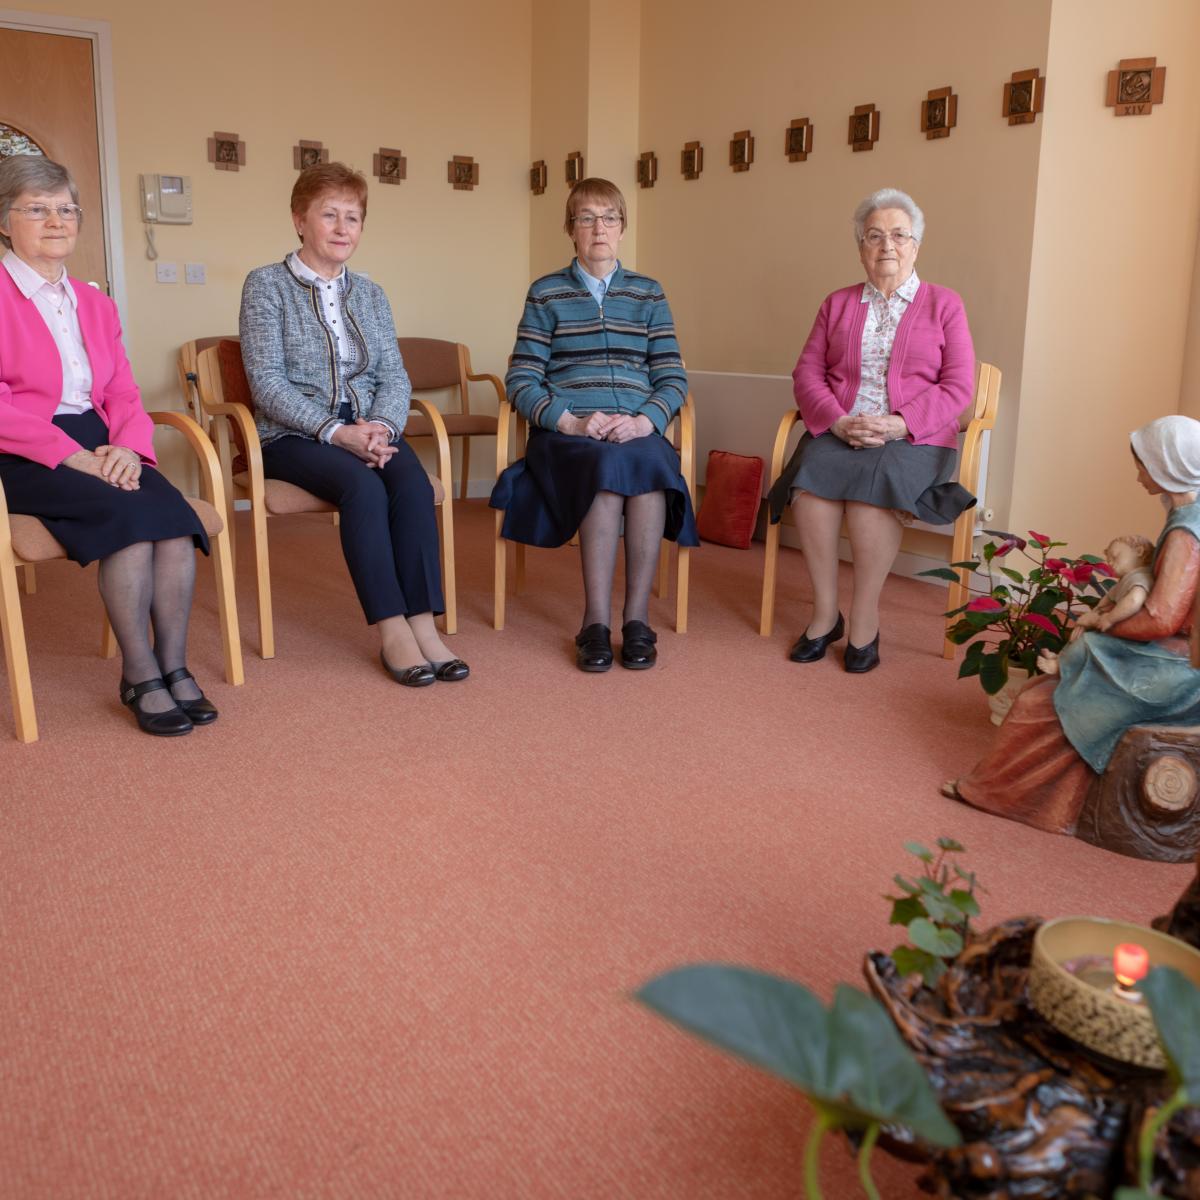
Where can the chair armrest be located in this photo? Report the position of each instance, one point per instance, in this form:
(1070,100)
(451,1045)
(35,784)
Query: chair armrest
(441,440)
(211,487)
(240,416)
(494,381)
(687,444)
(786,425)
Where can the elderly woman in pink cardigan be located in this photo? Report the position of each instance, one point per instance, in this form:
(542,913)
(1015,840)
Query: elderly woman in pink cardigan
(882,379)
(76,448)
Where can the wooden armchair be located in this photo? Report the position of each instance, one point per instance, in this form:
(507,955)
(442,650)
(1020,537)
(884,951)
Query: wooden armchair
(25,540)
(974,422)
(510,445)
(187,364)
(225,397)
(434,365)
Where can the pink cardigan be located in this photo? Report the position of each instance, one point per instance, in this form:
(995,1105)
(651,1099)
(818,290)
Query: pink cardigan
(931,376)
(31,378)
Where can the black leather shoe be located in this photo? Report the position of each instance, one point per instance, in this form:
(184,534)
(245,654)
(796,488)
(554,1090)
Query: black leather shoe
(637,646)
(860,659)
(593,648)
(174,722)
(419,676)
(810,649)
(450,671)
(199,712)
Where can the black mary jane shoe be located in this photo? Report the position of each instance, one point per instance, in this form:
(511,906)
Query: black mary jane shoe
(419,676)
(174,722)
(199,712)
(593,648)
(810,649)
(450,671)
(861,659)
(637,646)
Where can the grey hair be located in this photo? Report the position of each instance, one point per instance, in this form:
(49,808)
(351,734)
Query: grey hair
(20,173)
(889,198)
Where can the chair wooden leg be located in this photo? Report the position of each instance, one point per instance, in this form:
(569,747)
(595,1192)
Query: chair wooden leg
(231,637)
(449,587)
(16,657)
(262,578)
(683,554)
(466,468)
(766,622)
(30,579)
(220,433)
(499,583)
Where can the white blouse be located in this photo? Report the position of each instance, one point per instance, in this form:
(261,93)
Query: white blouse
(878,337)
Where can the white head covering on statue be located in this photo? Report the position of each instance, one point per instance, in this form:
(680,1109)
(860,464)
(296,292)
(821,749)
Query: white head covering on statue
(1169,449)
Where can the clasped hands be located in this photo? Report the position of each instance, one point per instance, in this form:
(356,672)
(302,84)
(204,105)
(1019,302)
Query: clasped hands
(116,465)
(864,430)
(367,440)
(606,427)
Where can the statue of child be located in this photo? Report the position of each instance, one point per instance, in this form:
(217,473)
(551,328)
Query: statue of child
(1130,557)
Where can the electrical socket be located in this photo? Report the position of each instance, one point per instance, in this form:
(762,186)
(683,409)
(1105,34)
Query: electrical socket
(194,273)
(166,272)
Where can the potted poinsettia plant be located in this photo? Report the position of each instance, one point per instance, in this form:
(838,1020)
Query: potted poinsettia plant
(1025,611)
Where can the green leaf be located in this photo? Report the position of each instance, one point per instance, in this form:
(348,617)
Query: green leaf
(970,666)
(941,573)
(951,846)
(905,910)
(910,961)
(973,565)
(941,910)
(964,902)
(922,852)
(1175,1005)
(1132,1193)
(993,672)
(905,885)
(925,935)
(850,1059)
(1015,576)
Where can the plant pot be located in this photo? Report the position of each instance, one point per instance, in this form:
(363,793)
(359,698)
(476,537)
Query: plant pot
(1002,701)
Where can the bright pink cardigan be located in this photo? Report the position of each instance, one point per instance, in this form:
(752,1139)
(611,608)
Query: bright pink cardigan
(31,378)
(931,376)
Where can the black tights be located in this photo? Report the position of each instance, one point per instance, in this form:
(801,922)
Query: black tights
(645,519)
(150,583)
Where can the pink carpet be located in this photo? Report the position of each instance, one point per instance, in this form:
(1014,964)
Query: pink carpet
(361,941)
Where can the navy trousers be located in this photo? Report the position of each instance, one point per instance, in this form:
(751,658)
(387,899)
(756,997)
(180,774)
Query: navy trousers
(388,524)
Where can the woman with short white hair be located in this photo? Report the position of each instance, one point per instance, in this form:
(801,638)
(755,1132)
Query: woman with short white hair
(882,380)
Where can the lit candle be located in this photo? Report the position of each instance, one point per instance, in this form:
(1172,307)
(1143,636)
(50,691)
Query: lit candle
(1130,963)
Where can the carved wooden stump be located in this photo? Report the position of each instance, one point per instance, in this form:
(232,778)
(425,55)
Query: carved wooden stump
(1040,1118)
(1147,803)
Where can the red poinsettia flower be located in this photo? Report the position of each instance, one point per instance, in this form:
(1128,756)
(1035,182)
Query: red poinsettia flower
(1055,564)
(1040,538)
(985,604)
(1104,569)
(1041,622)
(1080,573)
(1005,547)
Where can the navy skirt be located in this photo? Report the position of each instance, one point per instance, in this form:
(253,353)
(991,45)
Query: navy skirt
(546,495)
(896,475)
(92,519)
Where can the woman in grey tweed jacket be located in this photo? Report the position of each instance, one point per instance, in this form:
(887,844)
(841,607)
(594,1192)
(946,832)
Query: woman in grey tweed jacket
(331,400)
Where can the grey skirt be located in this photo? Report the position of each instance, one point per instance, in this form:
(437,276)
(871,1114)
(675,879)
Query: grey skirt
(896,475)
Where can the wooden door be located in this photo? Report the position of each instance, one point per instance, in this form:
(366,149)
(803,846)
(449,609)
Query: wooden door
(48,93)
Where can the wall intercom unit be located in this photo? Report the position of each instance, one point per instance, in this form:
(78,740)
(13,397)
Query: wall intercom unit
(166,199)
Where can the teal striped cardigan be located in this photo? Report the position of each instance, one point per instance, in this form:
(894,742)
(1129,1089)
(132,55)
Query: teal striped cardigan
(574,356)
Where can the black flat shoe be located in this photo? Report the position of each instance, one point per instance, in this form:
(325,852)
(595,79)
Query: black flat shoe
(637,646)
(419,676)
(199,712)
(860,659)
(174,722)
(811,649)
(450,671)
(593,648)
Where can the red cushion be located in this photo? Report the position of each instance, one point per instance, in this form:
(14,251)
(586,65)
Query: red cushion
(732,494)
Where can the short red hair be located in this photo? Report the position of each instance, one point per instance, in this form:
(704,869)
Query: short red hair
(325,178)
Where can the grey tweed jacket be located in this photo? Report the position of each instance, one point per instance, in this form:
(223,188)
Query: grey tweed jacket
(291,356)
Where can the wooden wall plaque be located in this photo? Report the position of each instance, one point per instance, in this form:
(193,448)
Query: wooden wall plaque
(864,127)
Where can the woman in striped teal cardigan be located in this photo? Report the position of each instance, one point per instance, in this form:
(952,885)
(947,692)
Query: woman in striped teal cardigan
(597,373)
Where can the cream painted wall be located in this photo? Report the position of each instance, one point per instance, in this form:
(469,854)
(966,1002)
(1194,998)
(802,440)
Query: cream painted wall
(433,80)
(747,258)
(1118,206)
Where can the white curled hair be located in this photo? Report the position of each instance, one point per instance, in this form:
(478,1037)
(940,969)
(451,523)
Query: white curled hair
(889,198)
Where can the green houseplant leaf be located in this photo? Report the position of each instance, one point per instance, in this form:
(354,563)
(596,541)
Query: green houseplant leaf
(1175,1004)
(849,1061)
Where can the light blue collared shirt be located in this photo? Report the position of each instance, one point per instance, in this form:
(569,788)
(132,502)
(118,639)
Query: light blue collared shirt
(598,287)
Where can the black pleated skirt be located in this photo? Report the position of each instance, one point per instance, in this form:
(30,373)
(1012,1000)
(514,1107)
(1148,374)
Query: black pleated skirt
(92,519)
(896,475)
(547,494)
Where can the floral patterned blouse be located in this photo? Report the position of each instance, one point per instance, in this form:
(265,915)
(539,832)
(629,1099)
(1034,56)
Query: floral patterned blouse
(878,336)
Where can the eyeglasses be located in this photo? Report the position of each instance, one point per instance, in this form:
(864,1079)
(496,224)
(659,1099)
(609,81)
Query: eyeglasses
(900,237)
(609,220)
(41,212)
